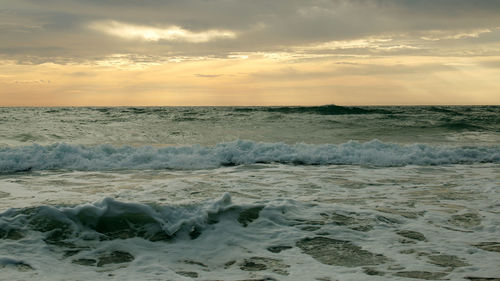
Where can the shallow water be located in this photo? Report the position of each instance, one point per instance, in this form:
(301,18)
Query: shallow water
(92,209)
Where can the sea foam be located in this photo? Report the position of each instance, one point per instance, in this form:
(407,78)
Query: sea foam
(109,219)
(107,157)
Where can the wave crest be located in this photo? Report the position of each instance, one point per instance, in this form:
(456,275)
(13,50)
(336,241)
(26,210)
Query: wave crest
(107,157)
(112,219)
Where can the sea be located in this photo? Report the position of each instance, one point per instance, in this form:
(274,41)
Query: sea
(250,193)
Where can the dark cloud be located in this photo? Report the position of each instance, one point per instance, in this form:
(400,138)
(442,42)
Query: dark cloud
(81,74)
(59,29)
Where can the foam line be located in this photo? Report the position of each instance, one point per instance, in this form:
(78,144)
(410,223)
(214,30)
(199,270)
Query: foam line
(107,157)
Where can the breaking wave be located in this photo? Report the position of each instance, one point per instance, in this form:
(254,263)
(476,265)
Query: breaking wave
(107,157)
(110,219)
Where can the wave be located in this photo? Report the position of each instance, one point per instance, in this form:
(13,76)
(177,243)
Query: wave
(462,126)
(111,219)
(321,110)
(240,152)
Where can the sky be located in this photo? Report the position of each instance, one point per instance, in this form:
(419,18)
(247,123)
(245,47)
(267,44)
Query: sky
(249,52)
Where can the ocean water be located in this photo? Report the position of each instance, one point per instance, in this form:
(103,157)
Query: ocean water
(250,193)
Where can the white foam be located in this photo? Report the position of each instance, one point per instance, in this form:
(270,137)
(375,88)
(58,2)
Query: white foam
(295,199)
(150,218)
(106,157)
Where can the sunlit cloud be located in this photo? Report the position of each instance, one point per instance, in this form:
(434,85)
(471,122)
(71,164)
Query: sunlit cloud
(148,33)
(237,56)
(128,61)
(353,44)
(373,43)
(436,35)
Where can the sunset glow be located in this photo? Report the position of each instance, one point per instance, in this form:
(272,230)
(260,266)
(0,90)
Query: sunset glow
(293,54)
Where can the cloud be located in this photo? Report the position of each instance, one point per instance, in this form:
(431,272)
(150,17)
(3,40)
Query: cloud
(353,69)
(79,30)
(81,74)
(372,43)
(149,33)
(31,82)
(208,75)
(495,63)
(13,27)
(436,35)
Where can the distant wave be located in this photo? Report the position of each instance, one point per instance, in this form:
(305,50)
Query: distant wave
(321,110)
(462,126)
(107,157)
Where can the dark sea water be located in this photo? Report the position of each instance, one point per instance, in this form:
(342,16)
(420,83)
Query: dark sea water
(250,193)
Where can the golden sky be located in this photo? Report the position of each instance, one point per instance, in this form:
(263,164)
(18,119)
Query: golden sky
(281,52)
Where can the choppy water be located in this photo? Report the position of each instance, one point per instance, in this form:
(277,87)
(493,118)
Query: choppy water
(258,193)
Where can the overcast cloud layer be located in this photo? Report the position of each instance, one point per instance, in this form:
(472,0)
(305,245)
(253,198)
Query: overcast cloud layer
(75,30)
